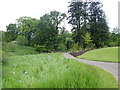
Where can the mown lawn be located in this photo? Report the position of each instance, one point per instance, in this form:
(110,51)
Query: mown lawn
(105,54)
(52,70)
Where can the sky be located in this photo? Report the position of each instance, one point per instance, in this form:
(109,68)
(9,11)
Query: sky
(10,10)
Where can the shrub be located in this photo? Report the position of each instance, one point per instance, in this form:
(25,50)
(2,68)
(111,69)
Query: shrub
(118,42)
(9,47)
(90,46)
(105,46)
(112,44)
(3,56)
(75,47)
(69,43)
(62,47)
(21,40)
(41,48)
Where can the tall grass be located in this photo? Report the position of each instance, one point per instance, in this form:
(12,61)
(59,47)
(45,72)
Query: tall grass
(52,70)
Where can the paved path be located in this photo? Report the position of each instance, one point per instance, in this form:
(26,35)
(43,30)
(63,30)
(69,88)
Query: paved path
(108,66)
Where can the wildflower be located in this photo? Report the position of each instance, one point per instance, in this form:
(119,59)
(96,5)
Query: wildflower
(25,72)
(43,58)
(13,72)
(34,61)
(20,81)
(14,64)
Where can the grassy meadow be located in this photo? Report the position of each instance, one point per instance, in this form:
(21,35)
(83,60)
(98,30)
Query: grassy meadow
(109,54)
(51,70)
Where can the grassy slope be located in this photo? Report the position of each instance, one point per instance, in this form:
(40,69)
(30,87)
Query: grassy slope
(22,50)
(105,54)
(52,70)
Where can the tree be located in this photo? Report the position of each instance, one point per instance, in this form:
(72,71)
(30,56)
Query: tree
(75,19)
(87,39)
(11,33)
(98,25)
(21,40)
(83,13)
(48,29)
(27,26)
(100,34)
(46,34)
(56,18)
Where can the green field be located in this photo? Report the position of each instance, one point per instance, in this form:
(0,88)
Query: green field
(52,70)
(105,54)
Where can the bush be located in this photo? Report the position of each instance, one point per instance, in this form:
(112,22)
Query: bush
(112,44)
(90,46)
(62,47)
(105,46)
(3,56)
(118,41)
(9,47)
(75,47)
(21,40)
(69,42)
(41,48)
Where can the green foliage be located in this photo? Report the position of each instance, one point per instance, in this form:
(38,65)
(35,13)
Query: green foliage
(27,27)
(87,41)
(90,46)
(114,39)
(9,47)
(118,41)
(69,42)
(41,48)
(109,54)
(80,15)
(62,47)
(113,44)
(12,49)
(87,38)
(21,40)
(12,32)
(52,70)
(4,57)
(75,47)
(100,34)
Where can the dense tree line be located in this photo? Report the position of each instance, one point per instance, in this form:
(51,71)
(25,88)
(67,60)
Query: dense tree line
(89,30)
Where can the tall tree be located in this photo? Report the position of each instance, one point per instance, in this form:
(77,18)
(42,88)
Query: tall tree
(27,26)
(78,18)
(98,24)
(84,13)
(48,28)
(11,33)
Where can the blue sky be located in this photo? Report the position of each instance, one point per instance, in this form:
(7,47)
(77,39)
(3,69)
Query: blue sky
(10,10)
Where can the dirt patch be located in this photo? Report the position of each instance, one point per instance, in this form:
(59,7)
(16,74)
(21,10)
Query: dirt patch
(75,54)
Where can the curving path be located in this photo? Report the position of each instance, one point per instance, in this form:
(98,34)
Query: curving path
(108,66)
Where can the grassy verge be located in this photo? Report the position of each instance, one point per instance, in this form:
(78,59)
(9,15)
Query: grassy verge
(52,70)
(105,54)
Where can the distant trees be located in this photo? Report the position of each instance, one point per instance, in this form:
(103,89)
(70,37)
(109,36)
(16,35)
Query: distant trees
(89,29)
(114,37)
(41,33)
(27,26)
(88,13)
(21,40)
(48,29)
(11,33)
